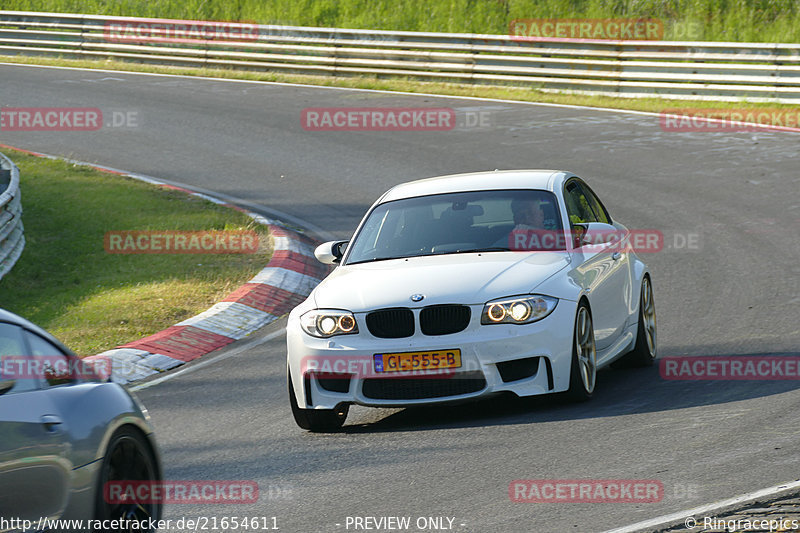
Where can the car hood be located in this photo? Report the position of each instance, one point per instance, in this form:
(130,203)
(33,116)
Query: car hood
(455,278)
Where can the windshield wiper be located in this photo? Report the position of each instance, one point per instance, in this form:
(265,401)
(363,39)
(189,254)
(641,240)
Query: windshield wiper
(475,250)
(470,250)
(372,260)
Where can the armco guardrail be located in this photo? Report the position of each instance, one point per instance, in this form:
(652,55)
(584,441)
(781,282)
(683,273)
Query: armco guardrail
(12,239)
(687,70)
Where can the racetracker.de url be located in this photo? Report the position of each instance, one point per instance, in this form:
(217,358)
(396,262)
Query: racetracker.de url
(201,523)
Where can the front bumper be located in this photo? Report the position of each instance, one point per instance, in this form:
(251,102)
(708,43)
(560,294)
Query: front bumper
(527,360)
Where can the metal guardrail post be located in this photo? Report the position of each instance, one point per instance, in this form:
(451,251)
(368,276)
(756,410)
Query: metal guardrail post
(697,70)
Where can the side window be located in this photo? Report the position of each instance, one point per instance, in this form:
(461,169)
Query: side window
(14,362)
(53,362)
(599,209)
(578,208)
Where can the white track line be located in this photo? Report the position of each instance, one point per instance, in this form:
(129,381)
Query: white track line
(760,127)
(357,89)
(703,510)
(634,527)
(205,362)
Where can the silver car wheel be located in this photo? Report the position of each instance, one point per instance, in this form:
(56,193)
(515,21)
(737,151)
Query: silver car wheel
(587,354)
(649,316)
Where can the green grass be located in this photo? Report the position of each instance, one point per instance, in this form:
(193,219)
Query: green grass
(92,300)
(712,20)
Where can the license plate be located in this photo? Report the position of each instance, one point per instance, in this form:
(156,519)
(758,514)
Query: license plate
(412,361)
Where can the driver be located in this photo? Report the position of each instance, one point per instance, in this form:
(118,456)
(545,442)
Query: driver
(528,214)
(530,231)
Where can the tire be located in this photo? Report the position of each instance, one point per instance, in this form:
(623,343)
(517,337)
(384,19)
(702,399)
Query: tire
(644,352)
(128,457)
(583,370)
(316,420)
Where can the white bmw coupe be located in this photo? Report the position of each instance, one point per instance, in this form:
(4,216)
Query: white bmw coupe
(467,285)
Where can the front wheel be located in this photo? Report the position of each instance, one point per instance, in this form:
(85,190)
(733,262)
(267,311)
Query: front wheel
(129,464)
(316,420)
(583,371)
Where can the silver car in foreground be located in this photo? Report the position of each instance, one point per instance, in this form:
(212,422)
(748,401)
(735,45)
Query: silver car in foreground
(64,436)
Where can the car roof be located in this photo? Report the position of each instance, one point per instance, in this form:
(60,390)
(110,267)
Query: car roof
(546,180)
(7,316)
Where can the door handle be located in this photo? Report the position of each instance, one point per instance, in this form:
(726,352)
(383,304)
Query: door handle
(616,255)
(51,422)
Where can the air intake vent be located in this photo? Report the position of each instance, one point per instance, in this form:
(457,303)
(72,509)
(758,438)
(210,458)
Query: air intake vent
(444,319)
(423,388)
(392,323)
(518,369)
(335,382)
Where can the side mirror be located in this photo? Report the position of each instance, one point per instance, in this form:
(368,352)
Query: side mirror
(6,385)
(330,252)
(597,233)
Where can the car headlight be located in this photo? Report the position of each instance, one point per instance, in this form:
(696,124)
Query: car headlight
(518,310)
(328,322)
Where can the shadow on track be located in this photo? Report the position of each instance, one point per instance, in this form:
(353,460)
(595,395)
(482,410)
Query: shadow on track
(618,392)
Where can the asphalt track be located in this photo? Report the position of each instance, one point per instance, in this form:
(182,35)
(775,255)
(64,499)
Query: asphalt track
(737,293)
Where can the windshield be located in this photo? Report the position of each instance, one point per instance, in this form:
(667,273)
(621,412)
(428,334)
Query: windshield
(476,221)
